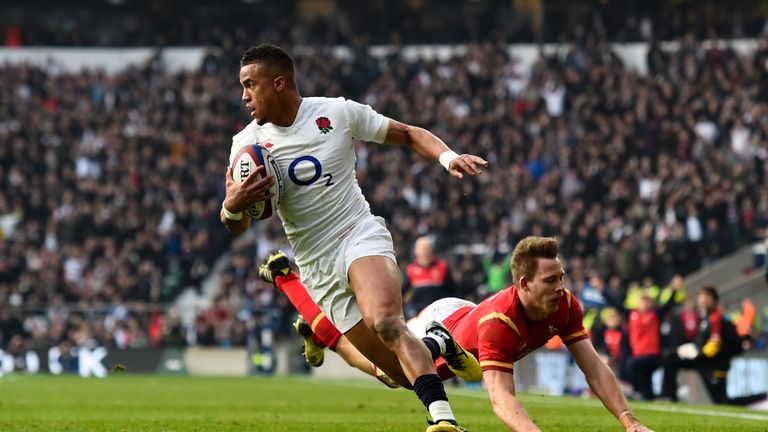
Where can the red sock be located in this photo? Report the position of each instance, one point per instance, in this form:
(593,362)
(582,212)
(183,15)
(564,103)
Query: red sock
(325,333)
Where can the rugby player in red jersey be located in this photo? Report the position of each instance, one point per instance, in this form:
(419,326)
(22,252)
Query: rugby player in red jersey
(512,323)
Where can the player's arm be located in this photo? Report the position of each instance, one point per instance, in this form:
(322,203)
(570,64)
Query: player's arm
(498,342)
(501,389)
(426,144)
(602,381)
(235,226)
(240,196)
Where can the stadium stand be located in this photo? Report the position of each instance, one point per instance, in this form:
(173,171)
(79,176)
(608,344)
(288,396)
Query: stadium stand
(110,185)
(159,23)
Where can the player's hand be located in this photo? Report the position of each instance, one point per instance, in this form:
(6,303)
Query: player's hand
(253,189)
(466,164)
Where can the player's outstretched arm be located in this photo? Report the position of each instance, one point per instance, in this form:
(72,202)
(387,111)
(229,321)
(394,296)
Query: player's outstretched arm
(426,144)
(602,381)
(501,389)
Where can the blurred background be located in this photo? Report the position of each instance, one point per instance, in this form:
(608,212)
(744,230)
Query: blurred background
(635,131)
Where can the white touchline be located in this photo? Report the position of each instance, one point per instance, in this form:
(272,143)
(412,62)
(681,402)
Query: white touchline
(531,399)
(707,412)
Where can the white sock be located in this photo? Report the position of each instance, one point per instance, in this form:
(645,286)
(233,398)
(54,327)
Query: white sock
(440,410)
(440,341)
(440,337)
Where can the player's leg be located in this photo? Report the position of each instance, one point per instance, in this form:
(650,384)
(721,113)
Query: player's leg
(356,359)
(428,326)
(277,269)
(316,329)
(326,334)
(376,283)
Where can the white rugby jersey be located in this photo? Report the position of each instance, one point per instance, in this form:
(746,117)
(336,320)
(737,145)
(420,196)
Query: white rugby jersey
(322,200)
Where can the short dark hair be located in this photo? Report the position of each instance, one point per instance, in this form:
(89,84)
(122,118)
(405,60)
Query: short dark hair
(710,290)
(269,55)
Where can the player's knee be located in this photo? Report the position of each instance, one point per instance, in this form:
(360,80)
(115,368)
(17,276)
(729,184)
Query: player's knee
(388,329)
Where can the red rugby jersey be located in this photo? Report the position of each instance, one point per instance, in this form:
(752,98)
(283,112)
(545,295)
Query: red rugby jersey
(613,339)
(498,333)
(644,335)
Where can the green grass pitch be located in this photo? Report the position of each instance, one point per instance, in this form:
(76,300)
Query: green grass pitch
(281,404)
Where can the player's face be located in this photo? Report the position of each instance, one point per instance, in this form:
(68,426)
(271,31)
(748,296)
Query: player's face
(547,287)
(258,91)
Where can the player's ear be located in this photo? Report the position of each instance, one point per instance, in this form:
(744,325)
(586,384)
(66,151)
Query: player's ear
(279,83)
(523,283)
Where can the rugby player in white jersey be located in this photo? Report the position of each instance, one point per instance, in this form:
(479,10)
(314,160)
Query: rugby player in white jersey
(345,254)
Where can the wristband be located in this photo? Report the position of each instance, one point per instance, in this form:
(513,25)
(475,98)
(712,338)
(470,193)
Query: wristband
(446,158)
(231,216)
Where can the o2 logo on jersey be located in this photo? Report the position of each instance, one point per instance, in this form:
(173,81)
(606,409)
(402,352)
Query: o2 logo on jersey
(318,172)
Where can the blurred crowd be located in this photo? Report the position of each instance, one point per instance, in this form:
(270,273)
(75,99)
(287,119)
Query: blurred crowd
(109,189)
(337,22)
(110,186)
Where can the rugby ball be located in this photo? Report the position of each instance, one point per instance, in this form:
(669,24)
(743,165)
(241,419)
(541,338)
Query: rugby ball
(244,164)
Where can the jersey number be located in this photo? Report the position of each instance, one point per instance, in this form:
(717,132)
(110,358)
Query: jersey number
(317,174)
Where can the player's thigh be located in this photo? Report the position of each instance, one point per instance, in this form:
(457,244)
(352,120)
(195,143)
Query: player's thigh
(369,345)
(376,283)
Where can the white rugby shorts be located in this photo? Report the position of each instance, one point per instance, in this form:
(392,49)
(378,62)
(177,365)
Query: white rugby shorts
(327,278)
(437,311)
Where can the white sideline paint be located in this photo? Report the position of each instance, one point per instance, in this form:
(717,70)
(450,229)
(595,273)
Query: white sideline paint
(530,399)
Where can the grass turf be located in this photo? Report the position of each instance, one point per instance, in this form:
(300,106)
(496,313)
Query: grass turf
(281,404)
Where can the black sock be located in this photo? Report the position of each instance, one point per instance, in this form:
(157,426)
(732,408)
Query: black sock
(429,388)
(433,347)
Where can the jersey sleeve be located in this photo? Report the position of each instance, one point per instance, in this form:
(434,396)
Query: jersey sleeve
(574,329)
(497,337)
(365,123)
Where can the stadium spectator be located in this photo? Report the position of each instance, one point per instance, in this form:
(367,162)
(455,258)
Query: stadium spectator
(427,278)
(611,341)
(709,353)
(644,328)
(173,332)
(684,326)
